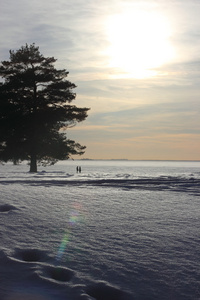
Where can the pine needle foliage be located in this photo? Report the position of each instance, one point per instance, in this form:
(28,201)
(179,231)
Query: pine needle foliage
(36,109)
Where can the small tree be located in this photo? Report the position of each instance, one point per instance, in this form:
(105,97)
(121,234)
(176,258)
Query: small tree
(35,109)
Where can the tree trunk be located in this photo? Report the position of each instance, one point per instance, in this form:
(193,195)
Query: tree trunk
(33,164)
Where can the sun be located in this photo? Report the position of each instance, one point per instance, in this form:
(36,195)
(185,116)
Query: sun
(138,43)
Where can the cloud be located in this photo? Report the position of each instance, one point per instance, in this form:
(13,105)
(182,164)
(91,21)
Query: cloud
(160,146)
(144,123)
(131,113)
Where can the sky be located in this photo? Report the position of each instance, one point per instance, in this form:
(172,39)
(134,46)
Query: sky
(136,65)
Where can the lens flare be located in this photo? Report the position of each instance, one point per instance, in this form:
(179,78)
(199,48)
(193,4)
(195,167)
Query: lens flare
(62,247)
(75,217)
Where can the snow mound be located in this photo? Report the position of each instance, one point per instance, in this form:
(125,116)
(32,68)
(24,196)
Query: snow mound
(104,291)
(30,255)
(7,208)
(59,274)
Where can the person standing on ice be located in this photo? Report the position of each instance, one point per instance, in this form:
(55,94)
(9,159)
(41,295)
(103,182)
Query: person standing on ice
(78,169)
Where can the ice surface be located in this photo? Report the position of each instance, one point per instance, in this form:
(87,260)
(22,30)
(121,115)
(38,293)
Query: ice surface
(117,231)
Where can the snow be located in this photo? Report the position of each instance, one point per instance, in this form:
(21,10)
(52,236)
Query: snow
(115,231)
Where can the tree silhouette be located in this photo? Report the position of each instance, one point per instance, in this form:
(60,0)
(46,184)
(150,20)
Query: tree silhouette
(35,109)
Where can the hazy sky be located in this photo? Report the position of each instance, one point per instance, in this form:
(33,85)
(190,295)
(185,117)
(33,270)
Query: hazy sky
(136,64)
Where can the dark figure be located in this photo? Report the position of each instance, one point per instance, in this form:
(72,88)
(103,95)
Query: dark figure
(79,169)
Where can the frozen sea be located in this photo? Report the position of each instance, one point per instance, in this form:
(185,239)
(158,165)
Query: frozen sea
(119,230)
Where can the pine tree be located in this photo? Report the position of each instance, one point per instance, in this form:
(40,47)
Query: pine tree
(35,109)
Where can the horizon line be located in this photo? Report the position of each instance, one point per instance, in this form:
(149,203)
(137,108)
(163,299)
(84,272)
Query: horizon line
(126,159)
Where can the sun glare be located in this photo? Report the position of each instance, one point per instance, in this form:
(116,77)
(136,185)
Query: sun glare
(139,43)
